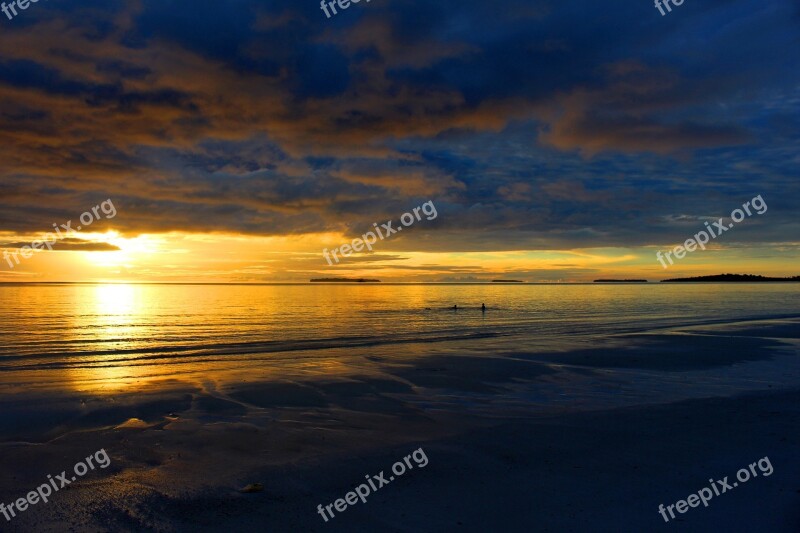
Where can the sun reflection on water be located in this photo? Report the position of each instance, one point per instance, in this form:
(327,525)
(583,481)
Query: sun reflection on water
(115,310)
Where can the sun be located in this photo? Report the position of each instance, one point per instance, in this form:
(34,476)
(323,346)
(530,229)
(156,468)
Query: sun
(130,249)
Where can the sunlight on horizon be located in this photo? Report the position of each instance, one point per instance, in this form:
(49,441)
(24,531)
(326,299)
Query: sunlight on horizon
(230,258)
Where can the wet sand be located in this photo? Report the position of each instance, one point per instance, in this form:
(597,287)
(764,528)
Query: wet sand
(590,439)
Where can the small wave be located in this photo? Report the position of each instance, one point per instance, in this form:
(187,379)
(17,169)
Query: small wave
(74,359)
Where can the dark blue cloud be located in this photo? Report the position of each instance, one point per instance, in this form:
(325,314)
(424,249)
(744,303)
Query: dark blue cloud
(535,123)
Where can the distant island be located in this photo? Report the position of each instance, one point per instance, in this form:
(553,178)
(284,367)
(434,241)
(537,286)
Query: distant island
(620,281)
(344,280)
(731,278)
(507,281)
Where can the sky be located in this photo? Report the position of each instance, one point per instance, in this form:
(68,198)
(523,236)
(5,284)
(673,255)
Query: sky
(558,140)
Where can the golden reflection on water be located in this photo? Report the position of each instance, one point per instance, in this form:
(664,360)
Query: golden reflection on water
(126,337)
(113,311)
(116,301)
(132,319)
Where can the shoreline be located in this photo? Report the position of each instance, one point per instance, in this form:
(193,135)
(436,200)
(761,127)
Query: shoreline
(566,439)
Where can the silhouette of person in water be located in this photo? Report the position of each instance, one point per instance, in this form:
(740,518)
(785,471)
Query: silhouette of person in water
(455,308)
(483,307)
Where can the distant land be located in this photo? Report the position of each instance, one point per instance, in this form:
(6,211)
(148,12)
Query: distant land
(344,280)
(731,278)
(620,281)
(507,281)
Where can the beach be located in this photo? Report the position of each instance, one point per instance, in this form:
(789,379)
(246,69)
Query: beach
(522,430)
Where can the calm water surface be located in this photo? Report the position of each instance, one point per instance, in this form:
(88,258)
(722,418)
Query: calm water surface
(104,333)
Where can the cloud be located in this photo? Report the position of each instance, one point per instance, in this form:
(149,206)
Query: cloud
(409,180)
(267,119)
(69,244)
(635,112)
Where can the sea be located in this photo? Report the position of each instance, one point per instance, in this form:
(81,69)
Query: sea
(107,338)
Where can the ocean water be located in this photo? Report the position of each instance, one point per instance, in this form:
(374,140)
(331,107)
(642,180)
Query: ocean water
(101,336)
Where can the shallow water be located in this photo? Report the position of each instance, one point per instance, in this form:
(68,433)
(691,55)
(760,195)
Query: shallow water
(107,333)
